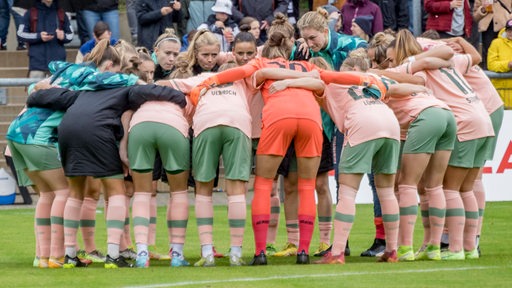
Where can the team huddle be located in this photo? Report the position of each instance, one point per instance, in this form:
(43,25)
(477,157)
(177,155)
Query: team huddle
(417,114)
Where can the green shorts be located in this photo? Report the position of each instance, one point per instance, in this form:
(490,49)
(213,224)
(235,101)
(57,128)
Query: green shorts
(497,120)
(33,158)
(148,138)
(231,143)
(115,176)
(434,130)
(379,156)
(470,154)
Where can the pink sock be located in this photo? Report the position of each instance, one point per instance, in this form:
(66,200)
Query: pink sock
(168,217)
(325,228)
(71,221)
(408,213)
(425,219)
(344,218)
(57,223)
(237,212)
(88,223)
(35,237)
(204,217)
(127,236)
(179,217)
(471,226)
(479,191)
(306,212)
(140,216)
(436,213)
(275,210)
(455,218)
(152,221)
(390,216)
(292,231)
(43,223)
(116,214)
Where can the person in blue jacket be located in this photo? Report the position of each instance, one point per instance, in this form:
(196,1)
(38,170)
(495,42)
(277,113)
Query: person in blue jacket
(46,29)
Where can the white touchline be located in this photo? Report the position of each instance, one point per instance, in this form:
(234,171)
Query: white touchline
(188,283)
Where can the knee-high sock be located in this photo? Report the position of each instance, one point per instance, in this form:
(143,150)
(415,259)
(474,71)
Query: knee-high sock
(471,226)
(455,218)
(343,218)
(57,222)
(116,215)
(88,223)
(479,191)
(152,221)
(237,212)
(37,242)
(436,213)
(140,216)
(71,222)
(43,223)
(261,211)
(126,241)
(390,216)
(178,217)
(306,213)
(325,228)
(204,216)
(168,217)
(408,213)
(292,231)
(425,219)
(275,210)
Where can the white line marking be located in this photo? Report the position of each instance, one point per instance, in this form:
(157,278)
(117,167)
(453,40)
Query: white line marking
(188,283)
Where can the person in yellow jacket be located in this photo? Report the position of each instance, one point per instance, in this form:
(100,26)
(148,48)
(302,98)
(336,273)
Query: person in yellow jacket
(499,59)
(491,17)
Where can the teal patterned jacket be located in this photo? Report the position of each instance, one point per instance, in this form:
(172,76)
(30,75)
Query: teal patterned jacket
(38,126)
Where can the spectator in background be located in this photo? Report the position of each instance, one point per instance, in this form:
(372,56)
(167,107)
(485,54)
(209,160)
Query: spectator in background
(491,17)
(353,8)
(195,13)
(154,17)
(499,59)
(293,12)
(18,9)
(185,40)
(222,24)
(395,13)
(104,10)
(5,18)
(449,17)
(362,27)
(254,28)
(131,14)
(101,31)
(262,10)
(74,6)
(335,20)
(47,39)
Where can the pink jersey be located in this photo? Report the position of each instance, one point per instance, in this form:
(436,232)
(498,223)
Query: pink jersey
(408,108)
(225,104)
(449,86)
(161,112)
(483,87)
(360,118)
